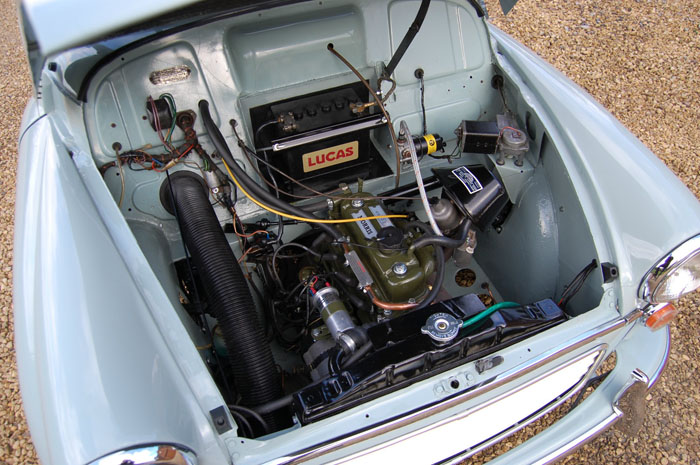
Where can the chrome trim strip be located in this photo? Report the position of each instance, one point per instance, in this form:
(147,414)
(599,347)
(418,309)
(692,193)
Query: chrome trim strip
(634,315)
(154,454)
(539,413)
(667,265)
(579,441)
(372,123)
(477,390)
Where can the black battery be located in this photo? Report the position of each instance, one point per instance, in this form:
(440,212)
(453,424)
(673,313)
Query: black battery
(318,140)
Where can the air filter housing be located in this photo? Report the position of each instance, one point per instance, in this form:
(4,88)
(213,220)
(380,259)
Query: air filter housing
(476,192)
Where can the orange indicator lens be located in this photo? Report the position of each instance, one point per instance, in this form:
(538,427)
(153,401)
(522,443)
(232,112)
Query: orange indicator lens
(662,317)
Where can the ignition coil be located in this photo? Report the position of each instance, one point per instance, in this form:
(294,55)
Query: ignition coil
(428,144)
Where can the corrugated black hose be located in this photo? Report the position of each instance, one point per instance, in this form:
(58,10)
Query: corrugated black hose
(256,377)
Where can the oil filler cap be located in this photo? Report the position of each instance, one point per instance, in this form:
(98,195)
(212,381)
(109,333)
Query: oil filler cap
(441,327)
(390,238)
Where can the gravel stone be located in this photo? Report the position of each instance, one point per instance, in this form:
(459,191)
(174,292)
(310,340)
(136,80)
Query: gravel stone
(15,443)
(638,58)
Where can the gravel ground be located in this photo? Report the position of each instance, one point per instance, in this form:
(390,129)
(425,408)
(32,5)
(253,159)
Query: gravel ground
(15,84)
(639,58)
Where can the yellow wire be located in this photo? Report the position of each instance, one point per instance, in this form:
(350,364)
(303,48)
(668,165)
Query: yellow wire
(299,218)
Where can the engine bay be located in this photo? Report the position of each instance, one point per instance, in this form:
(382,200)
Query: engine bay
(330,234)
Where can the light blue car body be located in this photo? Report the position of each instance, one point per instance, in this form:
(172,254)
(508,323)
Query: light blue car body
(105,363)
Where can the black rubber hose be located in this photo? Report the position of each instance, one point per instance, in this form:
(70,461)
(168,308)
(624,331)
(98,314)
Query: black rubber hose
(408,38)
(357,355)
(228,294)
(280,223)
(409,190)
(274,405)
(316,206)
(223,150)
(444,241)
(261,194)
(439,266)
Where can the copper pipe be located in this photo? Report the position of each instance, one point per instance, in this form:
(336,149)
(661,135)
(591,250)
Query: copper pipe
(380,104)
(381,303)
(388,305)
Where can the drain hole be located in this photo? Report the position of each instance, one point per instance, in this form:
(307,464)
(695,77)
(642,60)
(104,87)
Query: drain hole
(486,299)
(465,277)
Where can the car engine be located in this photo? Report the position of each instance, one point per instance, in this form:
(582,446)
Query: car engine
(321,254)
(355,303)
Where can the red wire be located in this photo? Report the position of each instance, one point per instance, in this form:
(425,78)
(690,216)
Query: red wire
(246,253)
(187,150)
(259,231)
(509,127)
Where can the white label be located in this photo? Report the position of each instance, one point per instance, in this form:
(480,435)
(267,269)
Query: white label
(468,179)
(365,225)
(377,210)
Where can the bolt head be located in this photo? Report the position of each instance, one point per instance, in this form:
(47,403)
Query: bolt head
(399,268)
(358,203)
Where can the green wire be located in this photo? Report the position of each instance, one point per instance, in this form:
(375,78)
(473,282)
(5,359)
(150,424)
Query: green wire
(485,313)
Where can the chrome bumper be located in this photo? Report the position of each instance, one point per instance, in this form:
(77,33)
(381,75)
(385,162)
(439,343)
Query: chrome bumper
(322,452)
(626,410)
(616,402)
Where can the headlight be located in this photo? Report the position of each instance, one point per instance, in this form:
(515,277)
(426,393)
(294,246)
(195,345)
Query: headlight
(159,454)
(675,275)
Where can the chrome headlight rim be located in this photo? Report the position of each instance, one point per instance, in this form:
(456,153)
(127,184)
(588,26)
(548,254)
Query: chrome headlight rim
(150,454)
(658,274)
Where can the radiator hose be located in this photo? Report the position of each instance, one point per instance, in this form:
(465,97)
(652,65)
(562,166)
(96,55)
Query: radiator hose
(229,297)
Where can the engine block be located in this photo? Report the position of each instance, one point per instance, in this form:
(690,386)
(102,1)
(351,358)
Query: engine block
(384,247)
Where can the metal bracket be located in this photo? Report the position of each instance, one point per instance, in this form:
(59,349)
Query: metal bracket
(487,363)
(632,403)
(364,279)
(220,419)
